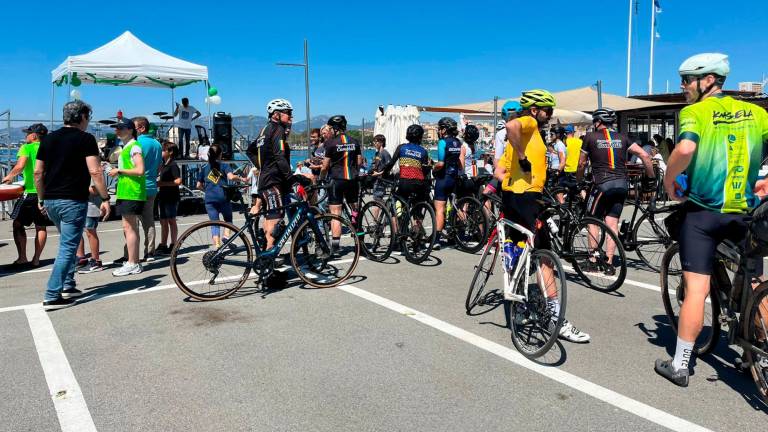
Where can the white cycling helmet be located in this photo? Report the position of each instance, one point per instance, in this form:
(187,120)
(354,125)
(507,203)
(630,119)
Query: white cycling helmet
(501,125)
(278,105)
(705,64)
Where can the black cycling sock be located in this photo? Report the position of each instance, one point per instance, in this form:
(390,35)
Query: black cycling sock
(335,241)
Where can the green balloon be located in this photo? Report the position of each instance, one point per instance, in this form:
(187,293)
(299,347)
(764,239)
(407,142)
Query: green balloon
(213,91)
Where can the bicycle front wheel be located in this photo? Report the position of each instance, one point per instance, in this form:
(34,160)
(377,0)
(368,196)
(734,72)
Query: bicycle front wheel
(535,322)
(470,224)
(479,296)
(375,230)
(598,255)
(673,294)
(315,258)
(206,271)
(652,241)
(756,334)
(420,233)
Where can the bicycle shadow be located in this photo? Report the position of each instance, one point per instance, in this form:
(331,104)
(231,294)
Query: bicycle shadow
(109,289)
(491,300)
(722,360)
(431,261)
(575,278)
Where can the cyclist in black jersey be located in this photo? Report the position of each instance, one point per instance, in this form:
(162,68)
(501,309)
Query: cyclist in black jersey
(343,157)
(446,170)
(271,154)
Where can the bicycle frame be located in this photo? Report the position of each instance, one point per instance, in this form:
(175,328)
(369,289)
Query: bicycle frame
(511,280)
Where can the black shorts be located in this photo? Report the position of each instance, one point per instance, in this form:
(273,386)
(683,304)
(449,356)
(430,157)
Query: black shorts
(524,209)
(129,207)
(607,199)
(702,230)
(168,209)
(413,191)
(274,200)
(343,190)
(26,212)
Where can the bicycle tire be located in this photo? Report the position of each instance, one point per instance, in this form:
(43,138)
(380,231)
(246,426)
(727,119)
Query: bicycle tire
(324,272)
(650,250)
(476,296)
(756,333)
(528,316)
(418,241)
(185,251)
(471,232)
(672,295)
(376,232)
(581,259)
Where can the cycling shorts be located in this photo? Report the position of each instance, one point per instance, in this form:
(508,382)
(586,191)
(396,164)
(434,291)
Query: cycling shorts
(702,230)
(274,199)
(607,199)
(343,190)
(416,191)
(444,188)
(524,209)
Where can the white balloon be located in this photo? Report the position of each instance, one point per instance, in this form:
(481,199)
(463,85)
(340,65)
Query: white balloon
(215,100)
(75,94)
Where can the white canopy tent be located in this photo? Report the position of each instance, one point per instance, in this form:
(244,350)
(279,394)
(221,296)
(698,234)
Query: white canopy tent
(393,121)
(127,61)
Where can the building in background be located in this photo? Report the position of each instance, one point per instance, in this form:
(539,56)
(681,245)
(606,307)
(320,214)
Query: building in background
(749,86)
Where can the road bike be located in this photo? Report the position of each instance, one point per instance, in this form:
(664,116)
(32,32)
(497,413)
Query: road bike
(414,224)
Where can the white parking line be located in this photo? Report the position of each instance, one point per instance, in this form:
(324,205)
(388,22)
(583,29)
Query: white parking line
(67,397)
(611,397)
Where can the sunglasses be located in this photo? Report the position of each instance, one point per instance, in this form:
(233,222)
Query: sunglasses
(547,110)
(288,113)
(687,79)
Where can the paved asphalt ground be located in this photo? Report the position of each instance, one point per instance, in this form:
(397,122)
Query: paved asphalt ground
(393,350)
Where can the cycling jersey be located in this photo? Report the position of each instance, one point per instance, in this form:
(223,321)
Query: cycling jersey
(343,151)
(449,152)
(499,144)
(413,160)
(729,134)
(271,154)
(515,180)
(607,153)
(470,161)
(573,150)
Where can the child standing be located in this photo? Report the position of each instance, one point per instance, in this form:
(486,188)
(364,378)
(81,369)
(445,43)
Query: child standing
(168,197)
(93,264)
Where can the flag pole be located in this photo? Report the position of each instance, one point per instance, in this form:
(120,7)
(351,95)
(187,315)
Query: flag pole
(653,39)
(629,45)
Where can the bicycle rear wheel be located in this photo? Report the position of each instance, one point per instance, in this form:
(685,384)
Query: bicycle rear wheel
(673,294)
(535,322)
(205,271)
(314,259)
(420,233)
(375,231)
(470,224)
(756,333)
(478,296)
(589,243)
(651,239)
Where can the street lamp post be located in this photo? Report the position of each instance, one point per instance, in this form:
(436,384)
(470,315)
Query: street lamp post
(305,65)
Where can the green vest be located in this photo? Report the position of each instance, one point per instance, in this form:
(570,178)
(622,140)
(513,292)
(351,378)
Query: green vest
(132,188)
(30,152)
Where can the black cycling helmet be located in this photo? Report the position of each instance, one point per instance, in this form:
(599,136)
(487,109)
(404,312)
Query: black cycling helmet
(338,123)
(447,123)
(605,116)
(414,133)
(471,133)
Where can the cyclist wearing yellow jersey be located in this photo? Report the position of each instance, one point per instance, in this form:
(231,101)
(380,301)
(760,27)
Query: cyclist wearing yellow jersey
(720,145)
(572,152)
(522,171)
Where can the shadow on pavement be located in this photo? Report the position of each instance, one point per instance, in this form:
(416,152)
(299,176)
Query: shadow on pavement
(119,286)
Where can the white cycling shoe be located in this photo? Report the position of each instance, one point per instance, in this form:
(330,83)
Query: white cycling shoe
(573,334)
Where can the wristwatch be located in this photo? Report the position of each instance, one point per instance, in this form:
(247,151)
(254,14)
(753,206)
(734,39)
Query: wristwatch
(105,199)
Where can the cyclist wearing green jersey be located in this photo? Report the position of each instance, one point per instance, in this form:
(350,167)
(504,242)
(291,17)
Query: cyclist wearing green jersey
(720,145)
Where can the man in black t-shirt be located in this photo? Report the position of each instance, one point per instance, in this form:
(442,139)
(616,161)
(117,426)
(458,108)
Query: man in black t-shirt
(606,150)
(67,161)
(380,160)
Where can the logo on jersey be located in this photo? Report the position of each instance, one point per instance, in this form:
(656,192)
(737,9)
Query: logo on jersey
(412,153)
(739,116)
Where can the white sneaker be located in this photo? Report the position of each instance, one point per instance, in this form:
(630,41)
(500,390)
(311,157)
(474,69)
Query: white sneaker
(572,334)
(127,269)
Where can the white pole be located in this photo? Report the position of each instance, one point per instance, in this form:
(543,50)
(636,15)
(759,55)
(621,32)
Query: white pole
(629,44)
(53,101)
(653,38)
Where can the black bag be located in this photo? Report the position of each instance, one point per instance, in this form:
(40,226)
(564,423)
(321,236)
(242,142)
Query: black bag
(757,235)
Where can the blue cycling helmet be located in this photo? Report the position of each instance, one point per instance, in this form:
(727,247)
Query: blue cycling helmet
(509,107)
(569,129)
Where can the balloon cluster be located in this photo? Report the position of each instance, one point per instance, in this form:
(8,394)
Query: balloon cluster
(213,96)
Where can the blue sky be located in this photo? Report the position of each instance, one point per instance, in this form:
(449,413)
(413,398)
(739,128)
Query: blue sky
(363,54)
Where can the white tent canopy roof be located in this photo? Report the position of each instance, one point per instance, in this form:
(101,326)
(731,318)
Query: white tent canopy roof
(128,61)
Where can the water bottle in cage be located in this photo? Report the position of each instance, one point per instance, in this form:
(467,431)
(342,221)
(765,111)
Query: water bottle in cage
(512,253)
(552,226)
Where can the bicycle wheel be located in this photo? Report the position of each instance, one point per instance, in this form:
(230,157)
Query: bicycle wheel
(535,322)
(590,242)
(470,224)
(314,259)
(756,333)
(375,231)
(206,272)
(478,296)
(420,233)
(672,295)
(651,239)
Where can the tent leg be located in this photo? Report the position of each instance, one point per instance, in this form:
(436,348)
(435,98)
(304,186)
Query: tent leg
(53,99)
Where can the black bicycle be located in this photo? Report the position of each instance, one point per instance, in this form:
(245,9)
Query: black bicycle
(645,235)
(466,222)
(414,224)
(213,259)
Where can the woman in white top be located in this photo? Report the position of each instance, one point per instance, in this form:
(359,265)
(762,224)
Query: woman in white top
(468,154)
